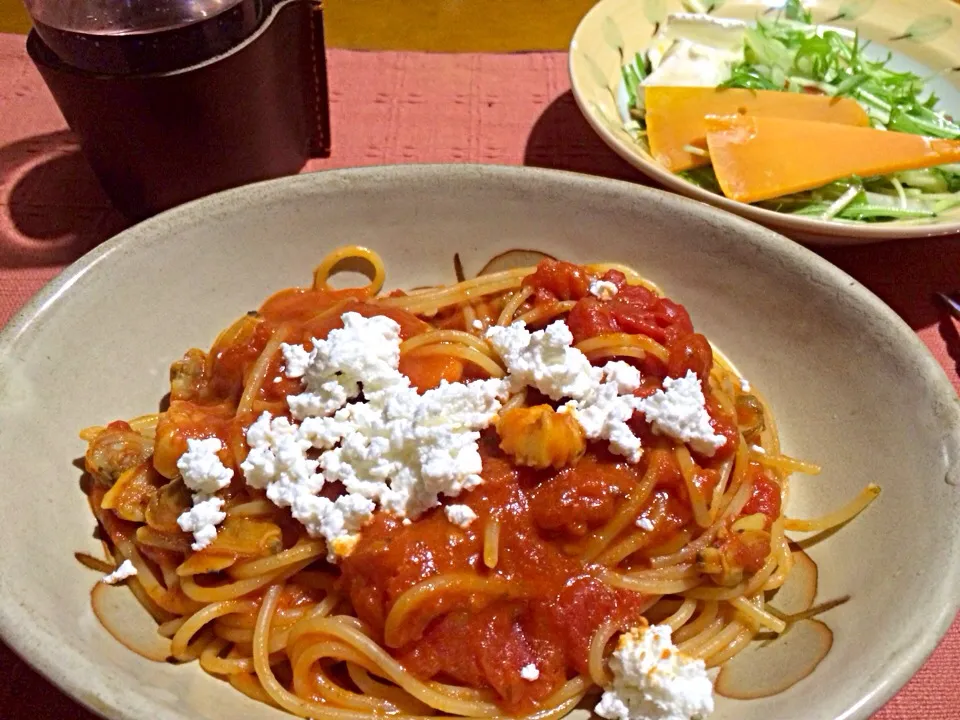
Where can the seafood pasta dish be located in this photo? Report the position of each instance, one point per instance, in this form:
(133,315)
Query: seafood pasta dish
(532,489)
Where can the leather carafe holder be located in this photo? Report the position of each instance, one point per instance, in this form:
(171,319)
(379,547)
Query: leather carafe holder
(256,112)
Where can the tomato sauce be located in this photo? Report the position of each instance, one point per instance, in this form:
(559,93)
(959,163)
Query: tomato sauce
(557,280)
(428,371)
(555,604)
(577,499)
(765,497)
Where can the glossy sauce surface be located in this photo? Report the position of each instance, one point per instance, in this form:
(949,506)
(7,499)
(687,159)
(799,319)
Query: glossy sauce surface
(552,605)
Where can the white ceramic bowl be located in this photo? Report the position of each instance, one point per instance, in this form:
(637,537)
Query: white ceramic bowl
(853,387)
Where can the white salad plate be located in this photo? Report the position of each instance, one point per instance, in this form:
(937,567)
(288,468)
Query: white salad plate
(921,37)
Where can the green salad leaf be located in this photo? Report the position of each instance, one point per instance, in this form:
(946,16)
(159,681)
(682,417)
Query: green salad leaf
(794,10)
(633,74)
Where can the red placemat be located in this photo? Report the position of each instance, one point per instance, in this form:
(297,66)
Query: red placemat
(400,108)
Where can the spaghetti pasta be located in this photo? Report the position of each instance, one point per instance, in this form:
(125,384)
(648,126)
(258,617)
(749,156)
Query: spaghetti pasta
(424,616)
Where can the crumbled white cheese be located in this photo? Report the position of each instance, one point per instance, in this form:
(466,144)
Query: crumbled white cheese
(603,414)
(745,385)
(477,324)
(460,515)
(201,468)
(277,461)
(605,417)
(125,570)
(473,404)
(545,360)
(365,351)
(402,451)
(529,672)
(679,411)
(337,520)
(601,399)
(758,449)
(625,377)
(406,449)
(645,523)
(296,358)
(603,289)
(396,448)
(653,680)
(202,519)
(204,473)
